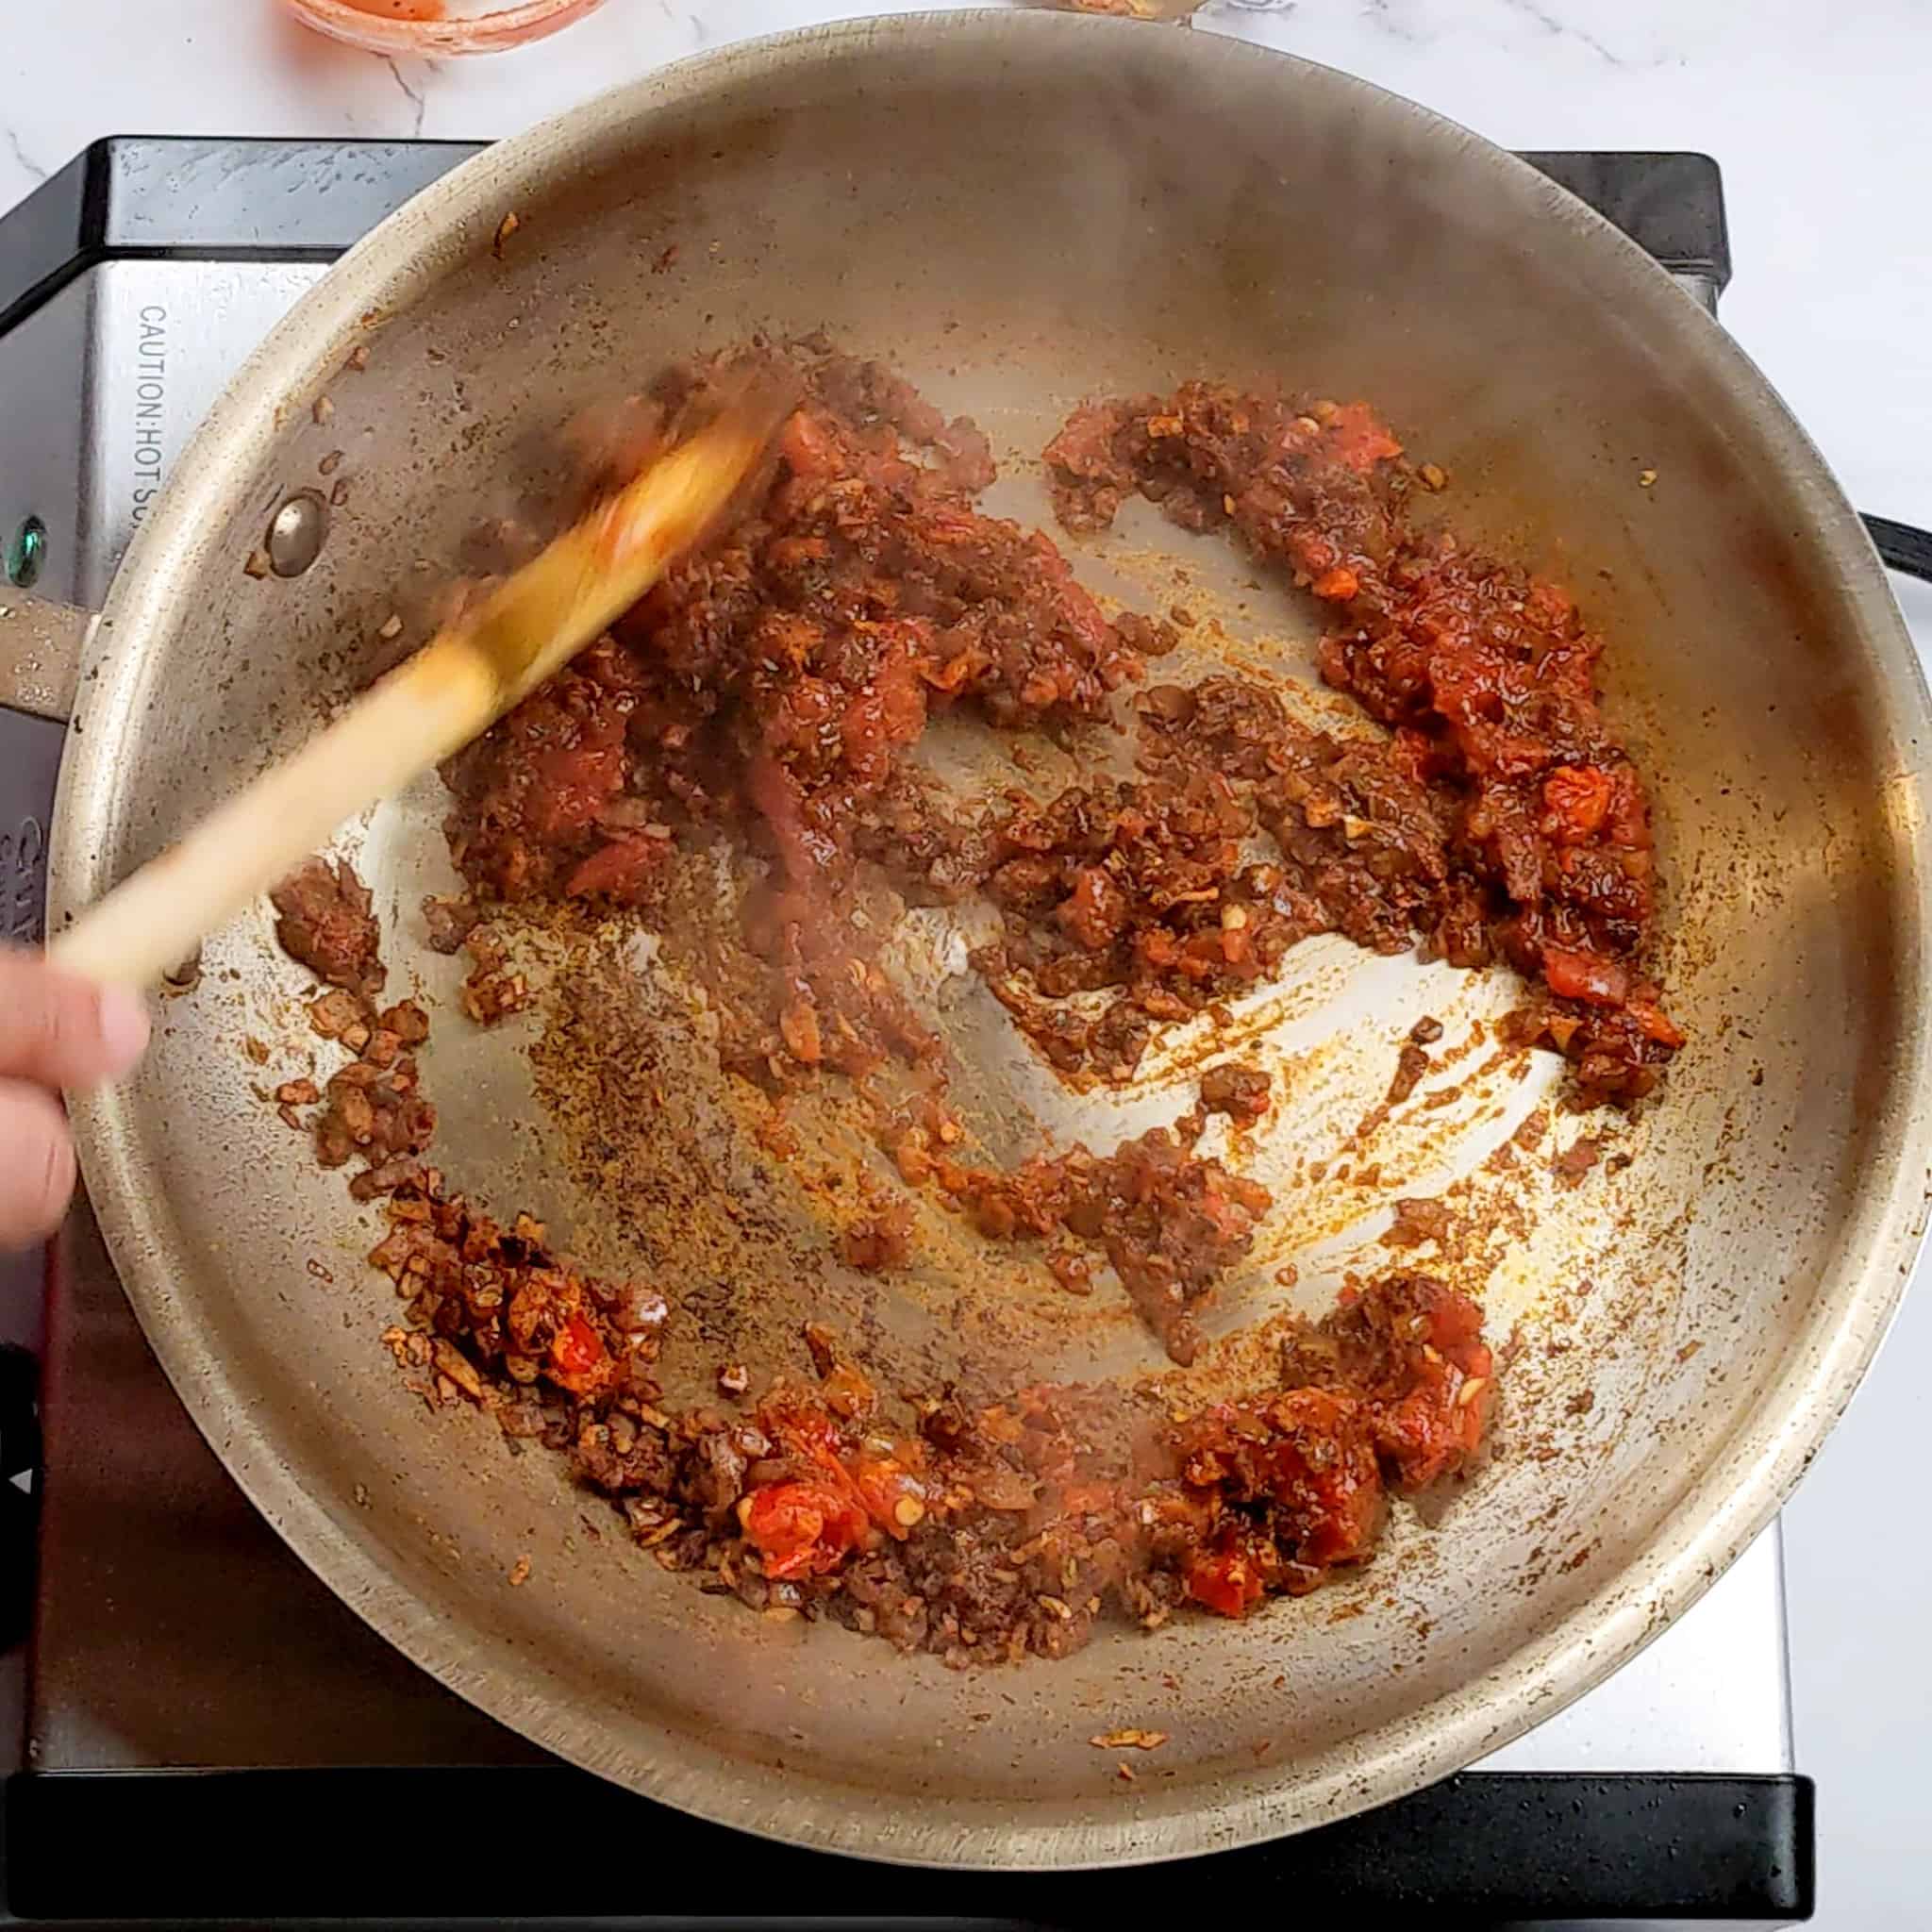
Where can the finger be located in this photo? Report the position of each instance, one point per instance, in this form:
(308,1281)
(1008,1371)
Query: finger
(61,1031)
(35,1164)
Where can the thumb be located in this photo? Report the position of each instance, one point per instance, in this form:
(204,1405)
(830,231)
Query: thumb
(58,1030)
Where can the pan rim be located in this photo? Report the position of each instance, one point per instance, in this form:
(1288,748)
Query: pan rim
(1743,1480)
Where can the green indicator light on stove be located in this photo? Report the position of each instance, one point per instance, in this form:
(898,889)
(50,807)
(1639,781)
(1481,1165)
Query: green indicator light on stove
(26,552)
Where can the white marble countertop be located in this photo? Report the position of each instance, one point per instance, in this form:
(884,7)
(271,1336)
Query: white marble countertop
(1818,116)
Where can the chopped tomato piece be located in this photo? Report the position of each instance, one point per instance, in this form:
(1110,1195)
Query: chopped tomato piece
(894,1497)
(1576,800)
(578,1360)
(800,1528)
(1358,440)
(1313,552)
(1321,1474)
(1586,976)
(620,869)
(1226,1581)
(802,1429)
(1435,1428)
(879,1488)
(1094,911)
(1438,1422)
(1656,1023)
(811,444)
(574,783)
(1456,1328)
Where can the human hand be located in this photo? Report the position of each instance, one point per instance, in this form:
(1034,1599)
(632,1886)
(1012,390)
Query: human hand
(56,1031)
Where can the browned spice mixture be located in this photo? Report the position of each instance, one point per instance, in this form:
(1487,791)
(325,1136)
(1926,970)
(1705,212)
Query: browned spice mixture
(449,922)
(1411,1065)
(773,691)
(982,1534)
(493,989)
(371,1106)
(777,685)
(1170,1221)
(1418,1219)
(1239,1092)
(774,686)
(324,923)
(1486,675)
(879,1241)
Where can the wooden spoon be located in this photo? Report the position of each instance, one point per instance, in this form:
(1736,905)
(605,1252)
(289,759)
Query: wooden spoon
(457,686)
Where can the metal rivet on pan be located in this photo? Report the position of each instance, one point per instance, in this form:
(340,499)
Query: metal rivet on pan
(184,977)
(295,538)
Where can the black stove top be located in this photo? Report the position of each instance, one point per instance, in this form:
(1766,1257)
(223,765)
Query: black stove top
(266,1784)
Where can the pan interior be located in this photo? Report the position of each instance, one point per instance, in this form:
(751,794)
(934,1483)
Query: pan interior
(1016,221)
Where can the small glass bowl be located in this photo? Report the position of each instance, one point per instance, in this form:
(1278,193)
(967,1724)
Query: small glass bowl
(435,28)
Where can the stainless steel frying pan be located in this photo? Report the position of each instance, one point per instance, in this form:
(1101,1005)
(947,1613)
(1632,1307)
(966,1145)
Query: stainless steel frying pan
(1020,209)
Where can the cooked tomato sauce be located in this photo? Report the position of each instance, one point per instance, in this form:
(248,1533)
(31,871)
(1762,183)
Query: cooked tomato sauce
(1485,674)
(777,685)
(981,1533)
(1171,1223)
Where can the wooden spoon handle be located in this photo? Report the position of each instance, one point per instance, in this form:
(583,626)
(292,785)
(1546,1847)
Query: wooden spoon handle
(452,689)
